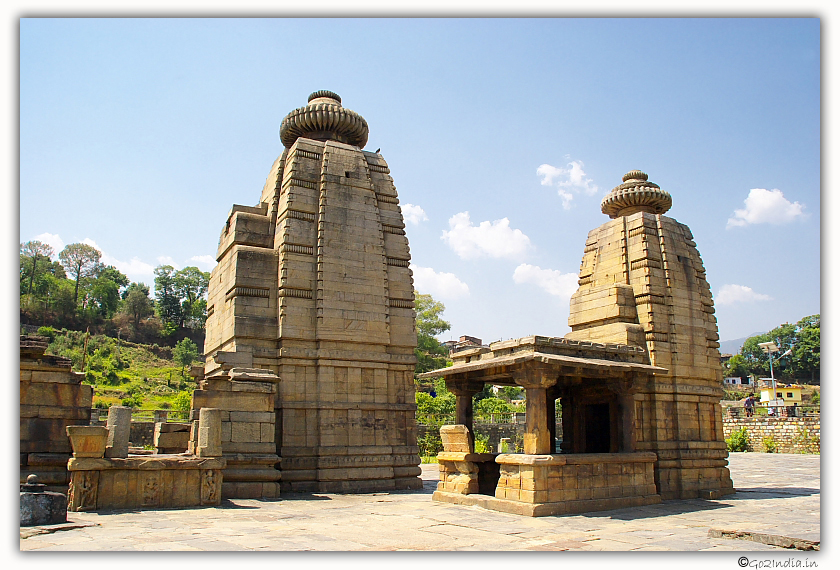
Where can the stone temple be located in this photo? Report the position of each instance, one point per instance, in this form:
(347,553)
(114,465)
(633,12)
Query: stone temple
(310,331)
(638,379)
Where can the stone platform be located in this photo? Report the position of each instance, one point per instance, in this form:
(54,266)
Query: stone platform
(541,485)
(777,495)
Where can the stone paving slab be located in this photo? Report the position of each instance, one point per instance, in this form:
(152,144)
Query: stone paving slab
(777,495)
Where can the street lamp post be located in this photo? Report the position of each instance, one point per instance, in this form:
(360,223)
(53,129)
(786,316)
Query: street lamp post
(769,348)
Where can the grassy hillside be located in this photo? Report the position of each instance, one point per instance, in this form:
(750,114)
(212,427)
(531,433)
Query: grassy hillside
(136,375)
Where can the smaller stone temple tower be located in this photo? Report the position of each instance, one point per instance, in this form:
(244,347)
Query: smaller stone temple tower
(311,309)
(642,283)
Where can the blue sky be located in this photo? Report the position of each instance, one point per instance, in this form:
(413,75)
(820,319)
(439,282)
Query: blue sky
(502,135)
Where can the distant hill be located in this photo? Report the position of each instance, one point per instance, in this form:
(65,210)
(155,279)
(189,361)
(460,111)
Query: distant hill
(734,346)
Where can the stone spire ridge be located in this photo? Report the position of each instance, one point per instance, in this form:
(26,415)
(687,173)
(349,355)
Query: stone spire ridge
(324,119)
(635,194)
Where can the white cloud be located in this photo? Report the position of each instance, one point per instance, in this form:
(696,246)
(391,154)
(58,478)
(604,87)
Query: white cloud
(204,262)
(487,239)
(52,240)
(132,269)
(166,260)
(414,214)
(552,281)
(568,181)
(766,207)
(438,285)
(732,294)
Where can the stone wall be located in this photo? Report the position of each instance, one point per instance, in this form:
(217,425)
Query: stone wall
(791,435)
(142,433)
(52,397)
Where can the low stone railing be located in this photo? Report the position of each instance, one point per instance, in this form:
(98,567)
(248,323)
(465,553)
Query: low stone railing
(779,434)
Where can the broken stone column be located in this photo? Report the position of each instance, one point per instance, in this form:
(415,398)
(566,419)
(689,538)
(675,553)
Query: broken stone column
(245,399)
(119,431)
(209,433)
(172,437)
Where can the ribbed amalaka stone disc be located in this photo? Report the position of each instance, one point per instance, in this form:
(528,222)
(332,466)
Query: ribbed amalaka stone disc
(635,194)
(324,119)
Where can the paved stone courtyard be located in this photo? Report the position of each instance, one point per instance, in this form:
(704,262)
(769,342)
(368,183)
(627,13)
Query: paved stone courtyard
(777,495)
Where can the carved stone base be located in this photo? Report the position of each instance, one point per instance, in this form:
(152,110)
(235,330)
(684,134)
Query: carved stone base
(144,482)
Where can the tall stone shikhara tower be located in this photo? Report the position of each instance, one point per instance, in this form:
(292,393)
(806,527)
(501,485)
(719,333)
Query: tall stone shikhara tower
(313,284)
(642,283)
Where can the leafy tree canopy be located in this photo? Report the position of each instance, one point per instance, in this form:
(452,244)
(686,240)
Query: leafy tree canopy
(185,353)
(802,339)
(80,261)
(31,253)
(431,354)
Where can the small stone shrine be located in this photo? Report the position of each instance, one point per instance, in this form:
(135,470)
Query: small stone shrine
(638,378)
(310,328)
(52,397)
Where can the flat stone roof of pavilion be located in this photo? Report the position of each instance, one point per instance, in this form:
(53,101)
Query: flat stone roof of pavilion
(500,358)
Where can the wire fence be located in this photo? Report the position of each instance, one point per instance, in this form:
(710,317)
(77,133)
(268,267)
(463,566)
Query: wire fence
(478,419)
(762,410)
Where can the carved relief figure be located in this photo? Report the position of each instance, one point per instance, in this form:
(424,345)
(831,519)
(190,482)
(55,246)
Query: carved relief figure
(209,487)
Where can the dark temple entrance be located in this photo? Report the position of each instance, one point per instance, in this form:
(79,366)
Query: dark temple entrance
(597,422)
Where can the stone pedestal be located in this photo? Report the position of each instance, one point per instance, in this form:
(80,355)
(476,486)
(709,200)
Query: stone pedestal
(88,441)
(39,506)
(144,482)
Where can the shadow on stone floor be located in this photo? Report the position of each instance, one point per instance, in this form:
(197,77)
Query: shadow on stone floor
(751,493)
(664,509)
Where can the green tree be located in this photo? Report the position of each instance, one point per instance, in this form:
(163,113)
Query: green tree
(806,351)
(431,354)
(182,401)
(167,303)
(491,405)
(31,253)
(185,353)
(510,393)
(80,261)
(136,302)
(736,366)
(190,285)
(802,339)
(104,293)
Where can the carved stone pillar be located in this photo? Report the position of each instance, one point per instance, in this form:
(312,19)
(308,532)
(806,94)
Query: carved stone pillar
(536,380)
(551,414)
(627,409)
(464,391)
